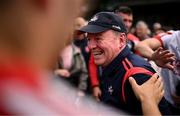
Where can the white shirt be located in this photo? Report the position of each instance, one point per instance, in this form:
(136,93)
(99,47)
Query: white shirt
(171,41)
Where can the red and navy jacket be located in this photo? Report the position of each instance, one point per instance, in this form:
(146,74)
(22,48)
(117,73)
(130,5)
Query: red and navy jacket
(112,80)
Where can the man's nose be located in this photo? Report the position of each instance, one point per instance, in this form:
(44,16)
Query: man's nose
(92,44)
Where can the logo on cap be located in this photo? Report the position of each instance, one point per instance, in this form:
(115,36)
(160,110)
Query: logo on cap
(94,18)
(116,27)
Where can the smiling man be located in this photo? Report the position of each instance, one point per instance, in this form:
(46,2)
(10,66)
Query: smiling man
(107,41)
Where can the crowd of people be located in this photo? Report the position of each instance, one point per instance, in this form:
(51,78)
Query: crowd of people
(55,62)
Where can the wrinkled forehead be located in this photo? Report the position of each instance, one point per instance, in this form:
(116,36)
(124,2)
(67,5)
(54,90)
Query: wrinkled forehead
(89,35)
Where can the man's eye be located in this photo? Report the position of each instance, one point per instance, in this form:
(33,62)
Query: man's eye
(98,39)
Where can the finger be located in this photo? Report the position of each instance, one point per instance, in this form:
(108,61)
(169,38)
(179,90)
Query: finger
(168,56)
(133,83)
(159,50)
(169,66)
(97,99)
(98,96)
(168,60)
(158,82)
(164,52)
(153,78)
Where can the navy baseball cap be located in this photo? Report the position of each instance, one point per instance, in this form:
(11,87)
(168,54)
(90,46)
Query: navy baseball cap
(104,21)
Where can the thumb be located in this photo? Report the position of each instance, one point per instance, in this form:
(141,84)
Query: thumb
(159,49)
(133,83)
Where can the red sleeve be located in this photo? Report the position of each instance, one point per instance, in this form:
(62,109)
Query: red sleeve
(158,37)
(93,72)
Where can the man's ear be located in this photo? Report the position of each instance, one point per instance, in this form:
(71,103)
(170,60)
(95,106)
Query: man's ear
(123,39)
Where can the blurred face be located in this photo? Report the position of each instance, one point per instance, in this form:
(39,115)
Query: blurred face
(104,46)
(141,31)
(79,22)
(128,20)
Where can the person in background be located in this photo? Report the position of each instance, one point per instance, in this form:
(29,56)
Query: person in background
(156,26)
(80,41)
(126,14)
(142,30)
(162,30)
(72,67)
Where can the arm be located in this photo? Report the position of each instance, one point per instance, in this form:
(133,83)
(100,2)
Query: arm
(94,79)
(151,49)
(62,72)
(93,72)
(149,93)
(66,57)
(146,48)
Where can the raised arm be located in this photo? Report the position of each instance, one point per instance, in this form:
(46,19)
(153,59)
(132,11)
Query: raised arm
(93,74)
(151,49)
(146,48)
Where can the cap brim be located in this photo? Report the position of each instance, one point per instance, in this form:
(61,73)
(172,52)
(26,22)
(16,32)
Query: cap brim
(93,29)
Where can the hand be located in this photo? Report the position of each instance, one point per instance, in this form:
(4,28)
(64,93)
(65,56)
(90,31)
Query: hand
(80,93)
(163,58)
(97,93)
(62,72)
(152,90)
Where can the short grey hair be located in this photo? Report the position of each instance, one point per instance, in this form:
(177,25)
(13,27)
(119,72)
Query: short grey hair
(118,33)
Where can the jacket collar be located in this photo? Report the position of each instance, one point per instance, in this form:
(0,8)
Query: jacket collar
(113,67)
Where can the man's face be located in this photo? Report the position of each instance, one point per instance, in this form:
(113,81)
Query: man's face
(104,46)
(128,20)
(142,31)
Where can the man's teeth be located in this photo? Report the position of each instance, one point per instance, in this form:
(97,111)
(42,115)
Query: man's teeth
(97,53)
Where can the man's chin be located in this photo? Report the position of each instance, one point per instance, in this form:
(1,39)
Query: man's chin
(99,63)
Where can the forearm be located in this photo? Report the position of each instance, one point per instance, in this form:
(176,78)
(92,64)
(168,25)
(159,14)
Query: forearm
(150,109)
(93,75)
(144,50)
